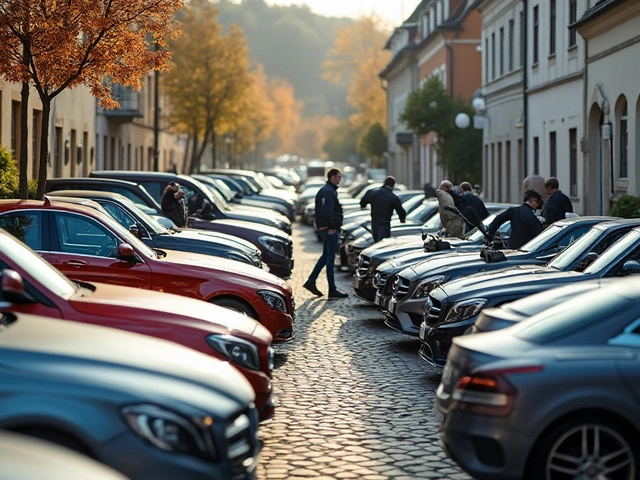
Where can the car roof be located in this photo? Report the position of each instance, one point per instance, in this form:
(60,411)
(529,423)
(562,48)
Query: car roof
(76,200)
(88,193)
(91,180)
(586,219)
(48,203)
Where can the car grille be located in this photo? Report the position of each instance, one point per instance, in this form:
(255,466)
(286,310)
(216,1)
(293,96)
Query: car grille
(400,287)
(387,288)
(380,280)
(432,310)
(240,440)
(363,265)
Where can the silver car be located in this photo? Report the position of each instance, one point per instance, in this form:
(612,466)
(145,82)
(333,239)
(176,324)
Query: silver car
(147,408)
(554,397)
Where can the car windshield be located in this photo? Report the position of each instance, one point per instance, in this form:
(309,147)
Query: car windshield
(574,315)
(223,189)
(423,211)
(476,235)
(150,221)
(619,249)
(411,203)
(573,252)
(541,239)
(35,266)
(218,199)
(246,185)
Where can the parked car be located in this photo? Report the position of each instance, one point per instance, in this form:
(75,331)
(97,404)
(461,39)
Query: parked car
(491,319)
(232,198)
(88,246)
(388,257)
(156,182)
(154,235)
(411,286)
(553,397)
(132,190)
(147,408)
(453,308)
(24,458)
(33,286)
(275,245)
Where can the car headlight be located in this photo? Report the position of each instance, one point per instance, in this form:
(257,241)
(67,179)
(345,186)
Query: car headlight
(274,300)
(169,431)
(464,310)
(273,245)
(236,349)
(426,285)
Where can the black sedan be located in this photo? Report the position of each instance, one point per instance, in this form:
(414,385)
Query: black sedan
(453,308)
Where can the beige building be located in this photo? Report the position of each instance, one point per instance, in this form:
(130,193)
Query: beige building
(611,101)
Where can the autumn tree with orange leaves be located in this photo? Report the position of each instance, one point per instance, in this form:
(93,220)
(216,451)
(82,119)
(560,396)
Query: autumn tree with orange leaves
(54,45)
(355,60)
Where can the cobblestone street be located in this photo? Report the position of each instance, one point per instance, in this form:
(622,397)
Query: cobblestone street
(353,398)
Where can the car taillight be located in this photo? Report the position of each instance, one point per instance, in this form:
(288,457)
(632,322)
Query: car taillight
(488,392)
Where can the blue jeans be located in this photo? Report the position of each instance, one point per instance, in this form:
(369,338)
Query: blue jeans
(380,231)
(328,258)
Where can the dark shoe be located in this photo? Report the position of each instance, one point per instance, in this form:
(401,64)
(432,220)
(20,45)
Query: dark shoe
(338,294)
(312,288)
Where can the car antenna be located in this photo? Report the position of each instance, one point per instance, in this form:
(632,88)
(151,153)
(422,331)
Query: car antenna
(47,201)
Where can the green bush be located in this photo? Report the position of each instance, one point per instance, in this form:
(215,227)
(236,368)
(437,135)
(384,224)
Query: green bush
(627,206)
(33,189)
(9,175)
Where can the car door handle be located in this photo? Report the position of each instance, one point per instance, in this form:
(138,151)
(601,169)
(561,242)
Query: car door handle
(77,263)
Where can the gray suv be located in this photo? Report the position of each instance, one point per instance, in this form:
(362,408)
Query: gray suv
(145,407)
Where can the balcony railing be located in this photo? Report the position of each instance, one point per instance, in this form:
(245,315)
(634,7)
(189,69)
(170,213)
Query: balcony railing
(131,105)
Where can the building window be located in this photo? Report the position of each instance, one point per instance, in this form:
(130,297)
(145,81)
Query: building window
(507,175)
(535,34)
(573,17)
(552,27)
(511,44)
(624,137)
(499,173)
(522,39)
(553,155)
(573,162)
(501,51)
(493,55)
(486,60)
(536,155)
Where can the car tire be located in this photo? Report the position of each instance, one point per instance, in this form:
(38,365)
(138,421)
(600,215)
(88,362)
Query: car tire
(236,305)
(565,441)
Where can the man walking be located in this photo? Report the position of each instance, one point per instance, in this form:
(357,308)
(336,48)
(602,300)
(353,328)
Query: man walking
(328,223)
(524,223)
(383,202)
(558,204)
(451,222)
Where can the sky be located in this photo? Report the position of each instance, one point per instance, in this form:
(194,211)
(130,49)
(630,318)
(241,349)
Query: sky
(393,11)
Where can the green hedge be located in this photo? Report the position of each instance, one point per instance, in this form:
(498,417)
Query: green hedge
(627,206)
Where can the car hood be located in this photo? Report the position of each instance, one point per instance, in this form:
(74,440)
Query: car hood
(225,242)
(464,259)
(527,279)
(264,218)
(99,356)
(159,307)
(254,276)
(256,227)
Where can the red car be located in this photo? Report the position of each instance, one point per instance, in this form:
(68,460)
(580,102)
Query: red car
(30,285)
(88,246)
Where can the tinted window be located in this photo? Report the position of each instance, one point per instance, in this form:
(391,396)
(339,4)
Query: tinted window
(542,239)
(26,227)
(84,236)
(585,244)
(120,215)
(619,249)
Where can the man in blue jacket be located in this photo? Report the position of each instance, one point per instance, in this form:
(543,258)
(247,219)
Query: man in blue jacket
(558,204)
(383,202)
(328,223)
(524,222)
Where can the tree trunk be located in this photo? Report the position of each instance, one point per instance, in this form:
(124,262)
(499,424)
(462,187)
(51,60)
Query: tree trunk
(214,150)
(186,154)
(44,145)
(24,140)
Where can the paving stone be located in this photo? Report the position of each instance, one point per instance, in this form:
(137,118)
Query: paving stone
(353,399)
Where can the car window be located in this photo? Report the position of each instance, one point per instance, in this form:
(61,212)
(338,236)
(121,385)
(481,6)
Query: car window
(582,247)
(617,250)
(572,236)
(120,215)
(84,236)
(155,189)
(541,239)
(26,227)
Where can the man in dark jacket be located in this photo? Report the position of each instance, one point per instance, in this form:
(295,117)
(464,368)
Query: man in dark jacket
(174,206)
(383,202)
(328,223)
(558,204)
(473,201)
(524,223)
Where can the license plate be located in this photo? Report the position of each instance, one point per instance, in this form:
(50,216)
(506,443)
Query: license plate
(423,331)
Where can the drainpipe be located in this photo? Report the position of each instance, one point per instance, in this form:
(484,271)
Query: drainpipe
(525,85)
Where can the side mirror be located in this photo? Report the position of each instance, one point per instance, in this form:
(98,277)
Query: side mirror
(13,288)
(492,256)
(135,230)
(126,253)
(631,267)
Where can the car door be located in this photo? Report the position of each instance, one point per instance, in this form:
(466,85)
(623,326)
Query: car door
(629,365)
(84,249)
